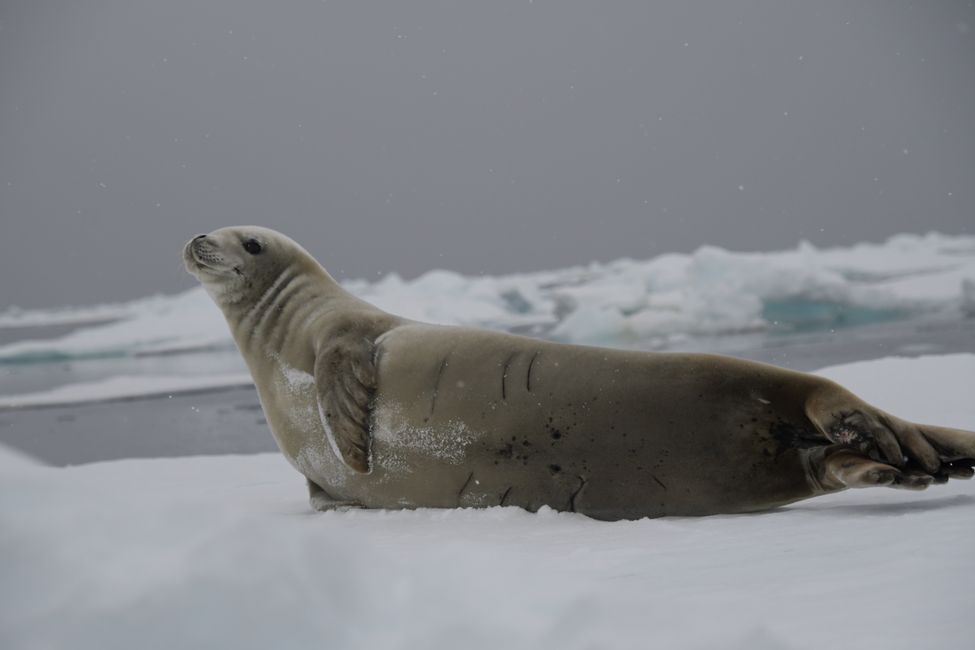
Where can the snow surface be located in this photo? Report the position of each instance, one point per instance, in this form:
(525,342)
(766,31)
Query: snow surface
(224,552)
(710,291)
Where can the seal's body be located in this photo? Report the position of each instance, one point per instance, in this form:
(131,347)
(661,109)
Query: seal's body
(378,411)
(493,419)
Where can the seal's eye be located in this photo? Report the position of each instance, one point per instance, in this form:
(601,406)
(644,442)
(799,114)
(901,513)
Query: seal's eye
(252,246)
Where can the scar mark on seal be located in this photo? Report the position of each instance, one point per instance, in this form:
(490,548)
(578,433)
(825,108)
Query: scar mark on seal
(572,499)
(463,487)
(659,482)
(436,386)
(504,497)
(504,375)
(528,377)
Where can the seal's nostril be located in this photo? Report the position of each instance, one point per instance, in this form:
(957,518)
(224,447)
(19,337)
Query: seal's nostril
(199,237)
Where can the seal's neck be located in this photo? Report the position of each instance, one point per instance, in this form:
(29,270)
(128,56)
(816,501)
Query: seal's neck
(282,321)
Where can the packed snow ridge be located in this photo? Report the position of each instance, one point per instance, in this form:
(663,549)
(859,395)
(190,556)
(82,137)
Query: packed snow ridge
(711,291)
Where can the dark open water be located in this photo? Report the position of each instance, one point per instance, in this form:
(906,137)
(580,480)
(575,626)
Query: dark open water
(231,422)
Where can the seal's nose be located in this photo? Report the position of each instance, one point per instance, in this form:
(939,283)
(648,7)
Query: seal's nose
(199,237)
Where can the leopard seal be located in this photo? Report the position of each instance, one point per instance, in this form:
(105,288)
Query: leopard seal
(379,411)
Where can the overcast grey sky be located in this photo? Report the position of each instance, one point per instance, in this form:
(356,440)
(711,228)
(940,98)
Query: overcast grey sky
(477,136)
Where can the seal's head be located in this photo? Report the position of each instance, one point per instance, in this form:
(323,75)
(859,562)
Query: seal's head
(239,263)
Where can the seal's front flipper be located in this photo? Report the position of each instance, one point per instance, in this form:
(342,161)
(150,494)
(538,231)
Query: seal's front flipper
(345,376)
(322,502)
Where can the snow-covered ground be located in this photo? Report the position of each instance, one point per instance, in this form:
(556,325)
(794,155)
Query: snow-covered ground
(223,551)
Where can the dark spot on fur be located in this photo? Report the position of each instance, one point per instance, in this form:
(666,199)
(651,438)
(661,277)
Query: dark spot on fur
(555,469)
(508,451)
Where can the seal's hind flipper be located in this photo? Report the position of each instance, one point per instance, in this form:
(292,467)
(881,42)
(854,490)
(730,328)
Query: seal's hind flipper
(838,467)
(345,377)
